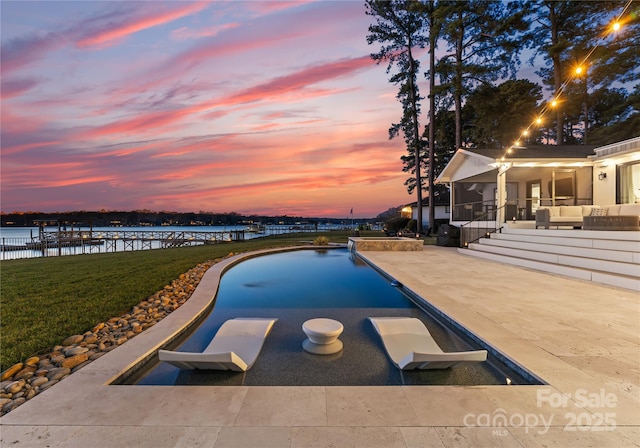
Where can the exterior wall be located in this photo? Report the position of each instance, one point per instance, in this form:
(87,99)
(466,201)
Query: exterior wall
(607,159)
(604,190)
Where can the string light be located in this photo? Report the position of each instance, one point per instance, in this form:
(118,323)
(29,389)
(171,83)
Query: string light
(614,27)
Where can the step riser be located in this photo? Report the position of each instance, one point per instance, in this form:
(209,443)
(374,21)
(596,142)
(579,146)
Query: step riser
(564,260)
(581,274)
(611,258)
(610,255)
(622,235)
(606,244)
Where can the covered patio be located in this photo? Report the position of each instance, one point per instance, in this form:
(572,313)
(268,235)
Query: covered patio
(490,186)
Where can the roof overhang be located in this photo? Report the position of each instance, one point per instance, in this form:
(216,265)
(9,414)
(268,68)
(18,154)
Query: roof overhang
(621,152)
(465,164)
(544,163)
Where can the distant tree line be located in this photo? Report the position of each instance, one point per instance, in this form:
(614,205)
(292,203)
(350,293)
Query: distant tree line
(104,218)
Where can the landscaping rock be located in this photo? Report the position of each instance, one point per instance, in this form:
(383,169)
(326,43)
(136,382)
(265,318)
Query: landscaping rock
(73,351)
(39,381)
(73,361)
(25,373)
(47,385)
(75,339)
(15,386)
(34,360)
(59,373)
(23,381)
(11,371)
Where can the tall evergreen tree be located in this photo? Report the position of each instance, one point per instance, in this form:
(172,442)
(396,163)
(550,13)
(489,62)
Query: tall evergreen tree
(617,59)
(561,30)
(501,113)
(483,43)
(398,29)
(434,18)
(614,115)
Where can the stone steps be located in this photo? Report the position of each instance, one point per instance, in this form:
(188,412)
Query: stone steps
(611,258)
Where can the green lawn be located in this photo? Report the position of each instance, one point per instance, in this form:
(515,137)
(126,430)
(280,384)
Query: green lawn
(44,300)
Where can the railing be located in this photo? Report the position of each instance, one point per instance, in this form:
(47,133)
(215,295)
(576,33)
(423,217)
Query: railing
(470,211)
(87,242)
(13,248)
(481,227)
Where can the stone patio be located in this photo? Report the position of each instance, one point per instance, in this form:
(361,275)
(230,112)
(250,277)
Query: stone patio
(581,338)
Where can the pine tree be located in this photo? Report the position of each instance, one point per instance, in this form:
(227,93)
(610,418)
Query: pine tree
(398,29)
(561,31)
(483,42)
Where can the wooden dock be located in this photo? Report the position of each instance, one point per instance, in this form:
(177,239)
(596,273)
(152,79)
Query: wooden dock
(139,239)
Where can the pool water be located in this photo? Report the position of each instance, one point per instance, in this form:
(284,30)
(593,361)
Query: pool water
(299,285)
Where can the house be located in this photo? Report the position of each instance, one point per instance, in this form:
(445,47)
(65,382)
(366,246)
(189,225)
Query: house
(441,210)
(495,186)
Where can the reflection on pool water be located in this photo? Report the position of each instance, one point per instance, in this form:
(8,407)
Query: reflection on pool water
(296,286)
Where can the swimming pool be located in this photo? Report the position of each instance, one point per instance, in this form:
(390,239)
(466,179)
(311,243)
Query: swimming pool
(295,286)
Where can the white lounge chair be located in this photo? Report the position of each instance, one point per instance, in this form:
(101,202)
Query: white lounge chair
(410,345)
(235,347)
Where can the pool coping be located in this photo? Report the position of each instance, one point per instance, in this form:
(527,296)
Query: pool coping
(84,405)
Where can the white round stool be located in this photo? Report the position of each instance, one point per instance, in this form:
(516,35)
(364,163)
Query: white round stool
(322,336)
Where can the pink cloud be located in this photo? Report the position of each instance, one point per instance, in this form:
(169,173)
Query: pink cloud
(185,33)
(27,146)
(272,6)
(51,175)
(280,190)
(271,126)
(16,87)
(294,83)
(136,24)
(300,80)
(19,52)
(140,124)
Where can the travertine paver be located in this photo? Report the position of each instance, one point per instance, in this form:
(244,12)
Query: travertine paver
(582,338)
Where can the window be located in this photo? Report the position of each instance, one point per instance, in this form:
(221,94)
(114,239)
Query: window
(628,183)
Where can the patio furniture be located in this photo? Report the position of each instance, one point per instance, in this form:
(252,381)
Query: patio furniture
(410,345)
(235,346)
(563,215)
(614,217)
(322,336)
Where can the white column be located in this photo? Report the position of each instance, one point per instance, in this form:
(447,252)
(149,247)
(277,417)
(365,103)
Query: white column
(501,195)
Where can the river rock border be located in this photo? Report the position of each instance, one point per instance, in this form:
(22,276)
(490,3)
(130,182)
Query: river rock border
(25,380)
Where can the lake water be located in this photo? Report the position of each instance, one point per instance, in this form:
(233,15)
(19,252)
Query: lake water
(13,239)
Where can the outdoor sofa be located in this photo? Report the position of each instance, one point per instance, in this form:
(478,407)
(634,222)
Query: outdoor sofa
(563,215)
(590,217)
(616,217)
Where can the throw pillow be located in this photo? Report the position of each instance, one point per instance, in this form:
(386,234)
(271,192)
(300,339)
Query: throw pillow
(599,212)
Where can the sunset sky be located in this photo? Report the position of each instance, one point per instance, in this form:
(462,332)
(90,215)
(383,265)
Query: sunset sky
(264,107)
